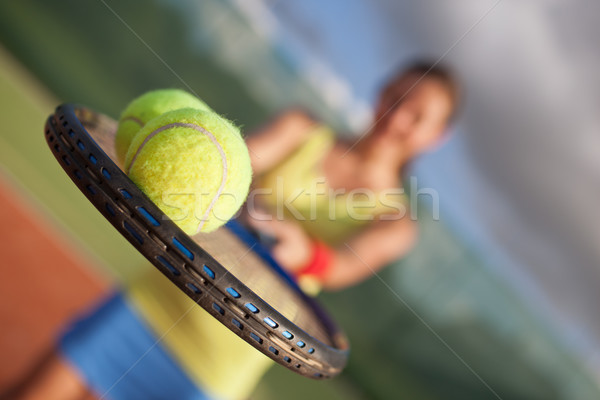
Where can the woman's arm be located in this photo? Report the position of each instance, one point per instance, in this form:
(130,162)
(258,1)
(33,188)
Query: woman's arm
(274,142)
(379,244)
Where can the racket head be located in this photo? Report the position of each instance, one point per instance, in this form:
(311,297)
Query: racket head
(226,272)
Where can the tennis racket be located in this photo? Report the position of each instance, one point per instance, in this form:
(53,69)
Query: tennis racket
(226,272)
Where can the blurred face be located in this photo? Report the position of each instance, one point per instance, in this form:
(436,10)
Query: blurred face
(418,121)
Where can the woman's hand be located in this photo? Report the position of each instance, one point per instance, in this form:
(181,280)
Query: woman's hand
(360,256)
(293,248)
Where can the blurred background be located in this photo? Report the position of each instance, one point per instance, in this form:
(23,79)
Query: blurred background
(500,297)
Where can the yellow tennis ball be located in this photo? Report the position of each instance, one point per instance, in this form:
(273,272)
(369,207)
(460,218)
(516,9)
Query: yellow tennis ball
(147,106)
(194,165)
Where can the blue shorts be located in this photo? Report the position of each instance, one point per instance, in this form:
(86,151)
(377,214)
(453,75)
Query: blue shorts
(120,358)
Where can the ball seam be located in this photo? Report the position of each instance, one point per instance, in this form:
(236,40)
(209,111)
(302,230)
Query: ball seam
(133,119)
(212,138)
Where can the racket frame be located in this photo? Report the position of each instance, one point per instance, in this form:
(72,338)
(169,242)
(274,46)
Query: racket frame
(184,262)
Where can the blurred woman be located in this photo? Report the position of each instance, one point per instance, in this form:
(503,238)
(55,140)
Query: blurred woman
(337,210)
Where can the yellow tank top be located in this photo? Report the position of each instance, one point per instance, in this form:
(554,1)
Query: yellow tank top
(297,189)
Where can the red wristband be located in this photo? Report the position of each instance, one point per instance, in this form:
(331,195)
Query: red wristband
(319,263)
